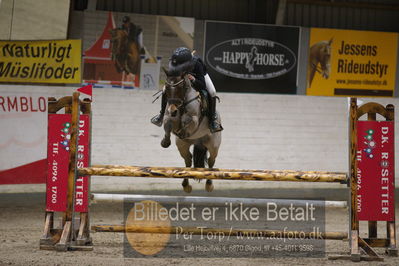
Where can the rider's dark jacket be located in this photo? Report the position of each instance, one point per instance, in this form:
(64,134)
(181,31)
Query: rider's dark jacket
(132,30)
(195,67)
(199,72)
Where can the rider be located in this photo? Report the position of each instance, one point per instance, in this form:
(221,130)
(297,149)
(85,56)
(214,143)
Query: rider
(183,60)
(134,32)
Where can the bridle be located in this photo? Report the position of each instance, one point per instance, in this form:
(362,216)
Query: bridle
(174,84)
(318,69)
(180,104)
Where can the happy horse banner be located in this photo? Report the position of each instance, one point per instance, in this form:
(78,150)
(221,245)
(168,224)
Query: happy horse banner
(40,61)
(252,57)
(351,63)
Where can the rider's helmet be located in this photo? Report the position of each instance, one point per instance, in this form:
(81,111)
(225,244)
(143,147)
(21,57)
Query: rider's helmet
(126,19)
(180,56)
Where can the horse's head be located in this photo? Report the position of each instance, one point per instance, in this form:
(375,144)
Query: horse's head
(324,58)
(175,89)
(118,41)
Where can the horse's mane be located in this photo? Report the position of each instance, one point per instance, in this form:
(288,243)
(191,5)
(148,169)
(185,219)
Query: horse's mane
(322,43)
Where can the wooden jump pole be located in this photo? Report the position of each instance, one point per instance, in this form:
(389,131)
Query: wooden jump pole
(177,172)
(119,198)
(219,169)
(203,231)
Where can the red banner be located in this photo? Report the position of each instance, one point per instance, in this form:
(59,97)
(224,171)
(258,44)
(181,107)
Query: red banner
(376,171)
(57,159)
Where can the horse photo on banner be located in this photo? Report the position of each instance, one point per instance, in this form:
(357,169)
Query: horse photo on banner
(351,63)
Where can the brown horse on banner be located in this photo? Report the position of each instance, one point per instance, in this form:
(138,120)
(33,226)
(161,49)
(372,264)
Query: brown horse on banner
(319,54)
(125,53)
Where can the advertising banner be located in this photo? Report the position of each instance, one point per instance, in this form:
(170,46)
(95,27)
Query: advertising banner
(128,47)
(23,141)
(252,58)
(58,160)
(351,63)
(376,171)
(223,229)
(40,61)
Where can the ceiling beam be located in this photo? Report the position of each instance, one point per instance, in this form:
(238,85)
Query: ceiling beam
(345,4)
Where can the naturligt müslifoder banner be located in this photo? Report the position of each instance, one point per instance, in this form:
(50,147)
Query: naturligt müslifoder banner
(351,63)
(41,61)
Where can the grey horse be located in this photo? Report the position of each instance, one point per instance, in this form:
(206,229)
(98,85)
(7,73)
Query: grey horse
(185,118)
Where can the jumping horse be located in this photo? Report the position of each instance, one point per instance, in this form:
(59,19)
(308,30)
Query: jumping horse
(125,53)
(185,117)
(319,54)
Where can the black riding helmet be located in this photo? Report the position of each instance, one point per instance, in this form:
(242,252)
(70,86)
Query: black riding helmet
(181,55)
(181,61)
(126,19)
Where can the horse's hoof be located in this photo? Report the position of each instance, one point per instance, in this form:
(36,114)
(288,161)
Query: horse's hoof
(209,185)
(165,143)
(188,189)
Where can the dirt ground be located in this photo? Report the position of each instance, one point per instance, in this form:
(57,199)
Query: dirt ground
(21,224)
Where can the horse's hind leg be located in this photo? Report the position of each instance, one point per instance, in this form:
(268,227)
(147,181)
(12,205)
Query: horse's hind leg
(184,149)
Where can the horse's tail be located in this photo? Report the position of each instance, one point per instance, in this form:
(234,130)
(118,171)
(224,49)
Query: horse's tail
(199,155)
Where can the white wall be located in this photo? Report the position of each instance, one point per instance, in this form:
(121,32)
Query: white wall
(262,131)
(33,20)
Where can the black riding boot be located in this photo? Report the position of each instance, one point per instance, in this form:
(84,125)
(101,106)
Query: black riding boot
(158,119)
(214,125)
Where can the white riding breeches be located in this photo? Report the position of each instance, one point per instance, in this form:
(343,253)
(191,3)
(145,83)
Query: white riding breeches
(140,40)
(209,86)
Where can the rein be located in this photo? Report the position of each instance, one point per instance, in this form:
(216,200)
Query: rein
(182,107)
(317,68)
(174,84)
(190,101)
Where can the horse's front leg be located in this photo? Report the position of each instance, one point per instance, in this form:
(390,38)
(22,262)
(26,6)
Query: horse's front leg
(165,143)
(184,149)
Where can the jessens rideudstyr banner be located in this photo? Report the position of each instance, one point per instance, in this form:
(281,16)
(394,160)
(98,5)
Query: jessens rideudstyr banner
(351,63)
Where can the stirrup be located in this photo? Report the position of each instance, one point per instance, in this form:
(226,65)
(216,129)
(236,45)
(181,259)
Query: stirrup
(157,120)
(215,129)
